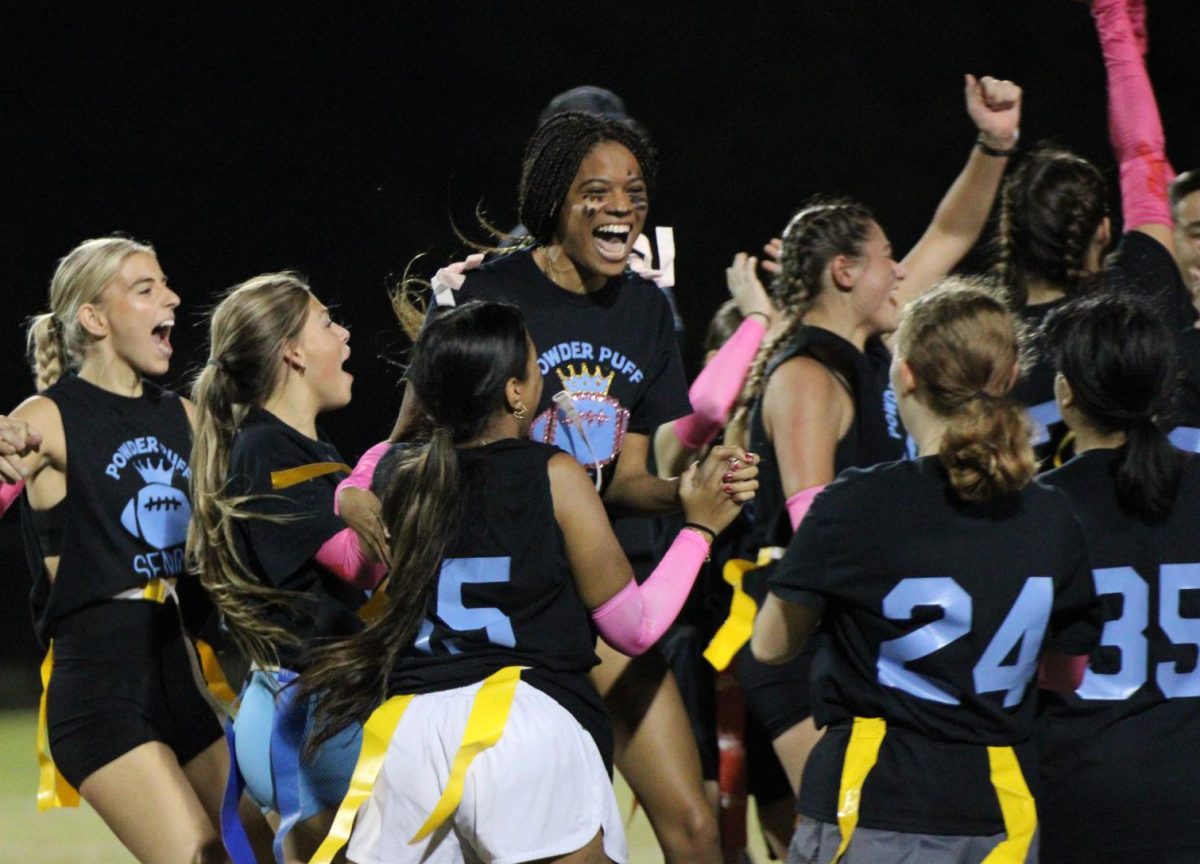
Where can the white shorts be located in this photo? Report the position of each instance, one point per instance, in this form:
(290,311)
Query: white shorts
(541,791)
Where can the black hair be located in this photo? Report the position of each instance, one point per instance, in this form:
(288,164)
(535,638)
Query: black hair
(553,156)
(461,362)
(1182,186)
(1119,358)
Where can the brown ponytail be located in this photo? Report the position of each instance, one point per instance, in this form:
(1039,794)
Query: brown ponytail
(963,348)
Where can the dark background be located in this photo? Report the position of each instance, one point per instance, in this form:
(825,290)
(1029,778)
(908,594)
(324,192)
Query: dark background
(341,140)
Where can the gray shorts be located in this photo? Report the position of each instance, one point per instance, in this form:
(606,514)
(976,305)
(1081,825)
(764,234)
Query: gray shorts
(817,842)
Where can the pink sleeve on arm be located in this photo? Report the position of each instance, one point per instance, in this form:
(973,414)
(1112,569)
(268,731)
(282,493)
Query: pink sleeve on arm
(637,616)
(9,492)
(1133,121)
(799,503)
(718,385)
(360,477)
(342,556)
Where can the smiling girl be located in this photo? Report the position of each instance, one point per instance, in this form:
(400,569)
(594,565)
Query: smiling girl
(104,535)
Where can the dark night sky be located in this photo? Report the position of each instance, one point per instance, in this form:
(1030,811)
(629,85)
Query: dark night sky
(340,139)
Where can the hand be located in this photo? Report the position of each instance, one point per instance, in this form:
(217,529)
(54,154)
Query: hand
(995,108)
(17,439)
(713,491)
(774,251)
(362,513)
(747,290)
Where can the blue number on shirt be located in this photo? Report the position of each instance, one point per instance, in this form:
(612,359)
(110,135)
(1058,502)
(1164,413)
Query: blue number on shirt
(1174,579)
(1127,634)
(1026,623)
(455,614)
(955,603)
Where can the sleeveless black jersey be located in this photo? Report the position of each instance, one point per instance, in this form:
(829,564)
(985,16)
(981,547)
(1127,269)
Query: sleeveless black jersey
(505,595)
(1140,267)
(124,520)
(875,435)
(612,350)
(935,613)
(292,478)
(1120,756)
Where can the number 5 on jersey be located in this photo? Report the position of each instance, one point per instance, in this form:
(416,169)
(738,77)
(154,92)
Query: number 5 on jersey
(1024,625)
(453,612)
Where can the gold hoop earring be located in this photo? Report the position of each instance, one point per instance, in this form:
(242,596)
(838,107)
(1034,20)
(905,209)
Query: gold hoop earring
(519,412)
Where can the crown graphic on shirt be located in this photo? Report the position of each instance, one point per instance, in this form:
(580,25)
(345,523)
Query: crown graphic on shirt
(585,381)
(151,473)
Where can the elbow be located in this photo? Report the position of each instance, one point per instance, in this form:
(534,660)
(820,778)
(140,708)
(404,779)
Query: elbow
(766,650)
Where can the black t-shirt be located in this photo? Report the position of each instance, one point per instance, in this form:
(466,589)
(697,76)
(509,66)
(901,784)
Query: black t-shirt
(292,479)
(612,350)
(505,595)
(1185,416)
(935,613)
(125,517)
(875,435)
(1139,267)
(1119,757)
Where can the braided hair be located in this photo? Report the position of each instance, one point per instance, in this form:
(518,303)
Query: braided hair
(1050,209)
(823,229)
(552,159)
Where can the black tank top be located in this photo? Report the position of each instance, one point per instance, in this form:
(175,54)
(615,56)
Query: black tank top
(875,434)
(124,520)
(505,595)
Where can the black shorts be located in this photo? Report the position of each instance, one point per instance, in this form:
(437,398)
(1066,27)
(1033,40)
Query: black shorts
(684,649)
(776,696)
(121,678)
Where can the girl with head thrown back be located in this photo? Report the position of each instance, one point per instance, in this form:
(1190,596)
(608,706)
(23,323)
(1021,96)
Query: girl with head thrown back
(282,569)
(1114,751)
(1055,226)
(817,400)
(611,373)
(929,630)
(106,519)
(504,568)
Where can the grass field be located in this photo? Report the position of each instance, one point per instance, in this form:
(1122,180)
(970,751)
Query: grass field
(77,836)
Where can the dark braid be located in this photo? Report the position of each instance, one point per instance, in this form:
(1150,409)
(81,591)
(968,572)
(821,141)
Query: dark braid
(552,159)
(823,229)
(1050,209)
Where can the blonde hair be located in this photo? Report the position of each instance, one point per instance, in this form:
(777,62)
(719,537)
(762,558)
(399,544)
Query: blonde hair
(964,347)
(56,342)
(248,333)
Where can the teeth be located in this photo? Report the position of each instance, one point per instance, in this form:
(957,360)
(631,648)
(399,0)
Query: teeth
(163,327)
(621,231)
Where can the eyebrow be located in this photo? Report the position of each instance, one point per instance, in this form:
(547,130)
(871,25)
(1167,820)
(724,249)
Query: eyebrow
(138,282)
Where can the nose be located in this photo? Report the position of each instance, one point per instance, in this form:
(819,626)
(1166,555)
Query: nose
(343,334)
(899,271)
(620,202)
(172,299)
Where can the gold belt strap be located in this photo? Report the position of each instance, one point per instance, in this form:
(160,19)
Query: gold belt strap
(735,631)
(866,736)
(53,788)
(1016,805)
(293,476)
(214,676)
(485,725)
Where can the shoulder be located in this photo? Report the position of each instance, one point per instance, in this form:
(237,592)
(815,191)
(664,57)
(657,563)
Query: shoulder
(40,411)
(801,380)
(260,441)
(567,476)
(499,276)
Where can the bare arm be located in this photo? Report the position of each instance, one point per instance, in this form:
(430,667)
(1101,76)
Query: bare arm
(806,412)
(633,489)
(995,108)
(44,466)
(781,630)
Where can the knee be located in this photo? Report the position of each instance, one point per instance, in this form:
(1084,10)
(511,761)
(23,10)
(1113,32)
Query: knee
(212,852)
(693,835)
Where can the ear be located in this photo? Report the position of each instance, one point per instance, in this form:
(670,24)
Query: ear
(1014,375)
(93,320)
(843,270)
(905,377)
(293,357)
(1063,393)
(513,392)
(1103,233)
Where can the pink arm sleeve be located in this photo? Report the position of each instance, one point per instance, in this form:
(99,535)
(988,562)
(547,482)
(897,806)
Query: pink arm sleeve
(9,492)
(360,477)
(636,617)
(799,503)
(342,556)
(718,385)
(1060,672)
(1133,122)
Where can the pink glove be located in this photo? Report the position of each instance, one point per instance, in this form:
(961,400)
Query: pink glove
(342,556)
(9,492)
(360,477)
(798,504)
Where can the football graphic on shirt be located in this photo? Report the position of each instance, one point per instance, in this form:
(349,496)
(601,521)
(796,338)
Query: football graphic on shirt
(159,513)
(595,430)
